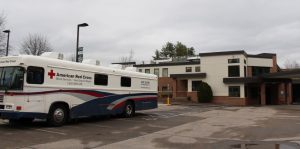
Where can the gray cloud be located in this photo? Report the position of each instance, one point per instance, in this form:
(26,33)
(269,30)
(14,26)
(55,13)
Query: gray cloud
(117,26)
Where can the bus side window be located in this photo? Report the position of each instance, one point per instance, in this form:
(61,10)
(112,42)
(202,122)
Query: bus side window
(35,75)
(125,81)
(101,79)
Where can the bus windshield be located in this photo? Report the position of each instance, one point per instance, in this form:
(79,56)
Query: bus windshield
(11,78)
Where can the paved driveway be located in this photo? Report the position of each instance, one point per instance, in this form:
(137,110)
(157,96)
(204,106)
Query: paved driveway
(201,126)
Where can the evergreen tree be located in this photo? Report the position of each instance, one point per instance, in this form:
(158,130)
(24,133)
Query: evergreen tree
(157,55)
(168,50)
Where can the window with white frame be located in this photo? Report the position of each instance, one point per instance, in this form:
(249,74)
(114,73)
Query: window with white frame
(165,72)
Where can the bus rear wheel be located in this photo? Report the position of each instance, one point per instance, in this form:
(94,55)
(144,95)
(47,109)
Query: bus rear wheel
(129,109)
(57,116)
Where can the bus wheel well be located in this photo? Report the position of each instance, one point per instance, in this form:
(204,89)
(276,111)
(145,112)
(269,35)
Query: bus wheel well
(66,105)
(131,101)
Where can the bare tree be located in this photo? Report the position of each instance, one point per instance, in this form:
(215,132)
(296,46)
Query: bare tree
(288,64)
(127,59)
(35,45)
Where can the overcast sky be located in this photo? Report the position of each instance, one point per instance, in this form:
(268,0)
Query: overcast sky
(117,26)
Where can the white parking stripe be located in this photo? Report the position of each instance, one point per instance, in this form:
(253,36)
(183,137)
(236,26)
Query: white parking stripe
(54,132)
(102,126)
(130,120)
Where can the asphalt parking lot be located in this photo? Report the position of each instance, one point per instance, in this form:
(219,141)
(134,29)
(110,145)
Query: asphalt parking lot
(177,126)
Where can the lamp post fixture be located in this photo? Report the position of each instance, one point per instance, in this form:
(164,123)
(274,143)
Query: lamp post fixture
(7,44)
(77,43)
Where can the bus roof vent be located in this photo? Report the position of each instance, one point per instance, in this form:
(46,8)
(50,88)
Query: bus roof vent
(54,55)
(91,61)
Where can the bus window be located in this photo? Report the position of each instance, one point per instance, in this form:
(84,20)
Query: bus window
(101,79)
(125,82)
(35,75)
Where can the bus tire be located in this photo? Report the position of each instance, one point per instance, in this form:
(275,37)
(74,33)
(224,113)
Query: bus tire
(58,115)
(129,109)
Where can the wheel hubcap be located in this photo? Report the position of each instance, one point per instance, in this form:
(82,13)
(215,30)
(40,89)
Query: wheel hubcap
(129,109)
(58,115)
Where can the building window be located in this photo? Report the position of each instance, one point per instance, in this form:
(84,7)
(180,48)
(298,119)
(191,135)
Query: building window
(125,81)
(235,60)
(188,69)
(233,71)
(245,62)
(234,91)
(140,70)
(35,75)
(147,70)
(260,70)
(196,85)
(156,71)
(100,79)
(165,72)
(197,69)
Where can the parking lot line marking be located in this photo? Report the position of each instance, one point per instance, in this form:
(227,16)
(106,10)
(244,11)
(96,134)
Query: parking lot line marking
(157,126)
(130,120)
(73,127)
(102,126)
(54,132)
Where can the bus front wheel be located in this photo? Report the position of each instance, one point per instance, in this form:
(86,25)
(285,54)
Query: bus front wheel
(129,109)
(58,115)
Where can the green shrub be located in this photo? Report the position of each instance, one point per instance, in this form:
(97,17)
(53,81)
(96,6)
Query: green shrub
(204,93)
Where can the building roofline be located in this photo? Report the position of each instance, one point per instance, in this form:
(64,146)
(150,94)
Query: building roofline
(125,63)
(261,55)
(167,64)
(283,74)
(223,53)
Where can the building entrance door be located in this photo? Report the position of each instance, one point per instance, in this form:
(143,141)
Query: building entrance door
(271,94)
(296,93)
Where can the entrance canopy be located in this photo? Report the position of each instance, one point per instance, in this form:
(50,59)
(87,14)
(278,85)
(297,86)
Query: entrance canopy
(284,76)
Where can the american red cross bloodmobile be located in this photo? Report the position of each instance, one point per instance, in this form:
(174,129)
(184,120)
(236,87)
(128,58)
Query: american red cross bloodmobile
(57,90)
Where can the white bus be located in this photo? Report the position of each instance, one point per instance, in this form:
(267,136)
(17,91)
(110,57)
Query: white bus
(57,90)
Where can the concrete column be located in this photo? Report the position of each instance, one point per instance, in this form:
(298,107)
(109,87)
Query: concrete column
(174,88)
(289,93)
(263,94)
(282,93)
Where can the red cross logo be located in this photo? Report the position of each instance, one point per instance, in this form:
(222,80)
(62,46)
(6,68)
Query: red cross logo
(51,74)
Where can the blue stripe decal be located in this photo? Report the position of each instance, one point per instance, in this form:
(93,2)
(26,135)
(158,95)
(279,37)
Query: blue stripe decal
(99,106)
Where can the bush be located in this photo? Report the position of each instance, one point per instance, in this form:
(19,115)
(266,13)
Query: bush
(204,93)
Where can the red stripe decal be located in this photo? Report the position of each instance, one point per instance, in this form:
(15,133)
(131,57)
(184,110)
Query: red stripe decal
(91,93)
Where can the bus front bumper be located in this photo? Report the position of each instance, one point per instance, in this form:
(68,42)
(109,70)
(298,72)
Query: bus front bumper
(17,115)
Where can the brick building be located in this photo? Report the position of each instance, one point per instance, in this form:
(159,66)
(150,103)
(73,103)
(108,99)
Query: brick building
(236,78)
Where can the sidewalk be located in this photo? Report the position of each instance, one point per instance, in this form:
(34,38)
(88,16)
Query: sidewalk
(190,103)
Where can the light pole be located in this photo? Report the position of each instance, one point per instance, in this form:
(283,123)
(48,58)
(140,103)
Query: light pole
(7,44)
(77,43)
